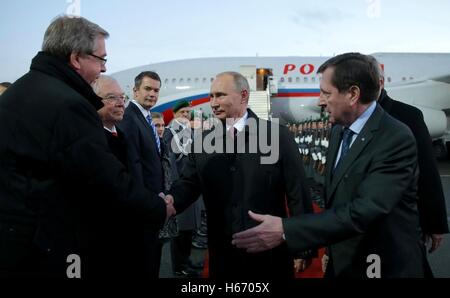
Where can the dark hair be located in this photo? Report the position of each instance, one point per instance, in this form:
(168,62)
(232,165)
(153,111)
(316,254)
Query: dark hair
(354,69)
(149,74)
(6,84)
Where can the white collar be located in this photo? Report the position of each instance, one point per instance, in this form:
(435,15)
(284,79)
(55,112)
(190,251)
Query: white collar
(143,111)
(111,130)
(240,124)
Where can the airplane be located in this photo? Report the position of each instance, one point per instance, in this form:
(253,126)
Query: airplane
(287,88)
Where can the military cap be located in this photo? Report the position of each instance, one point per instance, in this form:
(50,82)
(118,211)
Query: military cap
(180,104)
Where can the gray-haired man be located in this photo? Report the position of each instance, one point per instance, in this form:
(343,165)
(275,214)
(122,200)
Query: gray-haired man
(54,156)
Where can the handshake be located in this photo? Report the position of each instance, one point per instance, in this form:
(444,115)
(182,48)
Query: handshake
(170,209)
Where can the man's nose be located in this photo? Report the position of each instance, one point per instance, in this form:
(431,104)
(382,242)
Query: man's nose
(212,101)
(321,102)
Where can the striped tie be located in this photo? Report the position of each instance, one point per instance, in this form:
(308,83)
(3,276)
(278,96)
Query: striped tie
(155,133)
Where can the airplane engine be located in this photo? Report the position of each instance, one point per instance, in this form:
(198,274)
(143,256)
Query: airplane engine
(435,120)
(295,109)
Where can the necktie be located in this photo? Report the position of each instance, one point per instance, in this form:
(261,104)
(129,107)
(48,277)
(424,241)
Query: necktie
(114,134)
(232,132)
(155,133)
(346,141)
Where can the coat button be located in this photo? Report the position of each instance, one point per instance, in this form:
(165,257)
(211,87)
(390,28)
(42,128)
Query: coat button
(232,168)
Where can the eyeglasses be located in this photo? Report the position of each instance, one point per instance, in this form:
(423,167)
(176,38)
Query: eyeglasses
(99,58)
(115,97)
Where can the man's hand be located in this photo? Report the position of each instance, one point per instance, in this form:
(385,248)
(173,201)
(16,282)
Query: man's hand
(169,199)
(267,235)
(434,241)
(325,259)
(170,209)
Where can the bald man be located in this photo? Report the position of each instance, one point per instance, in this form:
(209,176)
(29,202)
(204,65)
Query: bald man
(4,86)
(111,114)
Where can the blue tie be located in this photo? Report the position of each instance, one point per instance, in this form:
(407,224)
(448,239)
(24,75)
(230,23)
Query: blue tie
(346,141)
(155,133)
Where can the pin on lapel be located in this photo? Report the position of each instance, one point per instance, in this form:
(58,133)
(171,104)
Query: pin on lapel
(363,139)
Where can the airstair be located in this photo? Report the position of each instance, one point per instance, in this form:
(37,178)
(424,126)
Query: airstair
(259,103)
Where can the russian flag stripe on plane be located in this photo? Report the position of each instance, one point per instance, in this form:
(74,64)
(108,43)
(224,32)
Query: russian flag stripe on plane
(196,100)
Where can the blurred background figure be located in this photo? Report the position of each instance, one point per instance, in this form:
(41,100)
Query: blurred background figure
(4,86)
(179,136)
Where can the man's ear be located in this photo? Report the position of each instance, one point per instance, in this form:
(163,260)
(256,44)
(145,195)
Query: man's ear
(245,96)
(74,61)
(354,94)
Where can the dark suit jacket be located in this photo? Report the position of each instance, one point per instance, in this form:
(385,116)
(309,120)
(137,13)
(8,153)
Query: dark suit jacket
(144,159)
(233,184)
(117,145)
(371,204)
(118,237)
(432,209)
(145,166)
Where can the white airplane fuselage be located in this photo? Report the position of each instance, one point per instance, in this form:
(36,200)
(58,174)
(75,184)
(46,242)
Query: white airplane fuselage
(421,80)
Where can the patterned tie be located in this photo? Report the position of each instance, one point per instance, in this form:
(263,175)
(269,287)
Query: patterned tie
(346,141)
(155,133)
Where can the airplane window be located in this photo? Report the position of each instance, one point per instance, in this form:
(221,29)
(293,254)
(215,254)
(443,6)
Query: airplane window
(196,80)
(403,79)
(411,78)
(189,80)
(281,79)
(297,80)
(166,81)
(204,80)
(313,79)
(305,79)
(389,79)
(290,80)
(212,79)
(174,81)
(181,80)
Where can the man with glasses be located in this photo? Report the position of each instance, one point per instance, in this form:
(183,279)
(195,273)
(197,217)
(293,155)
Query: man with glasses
(111,114)
(57,173)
